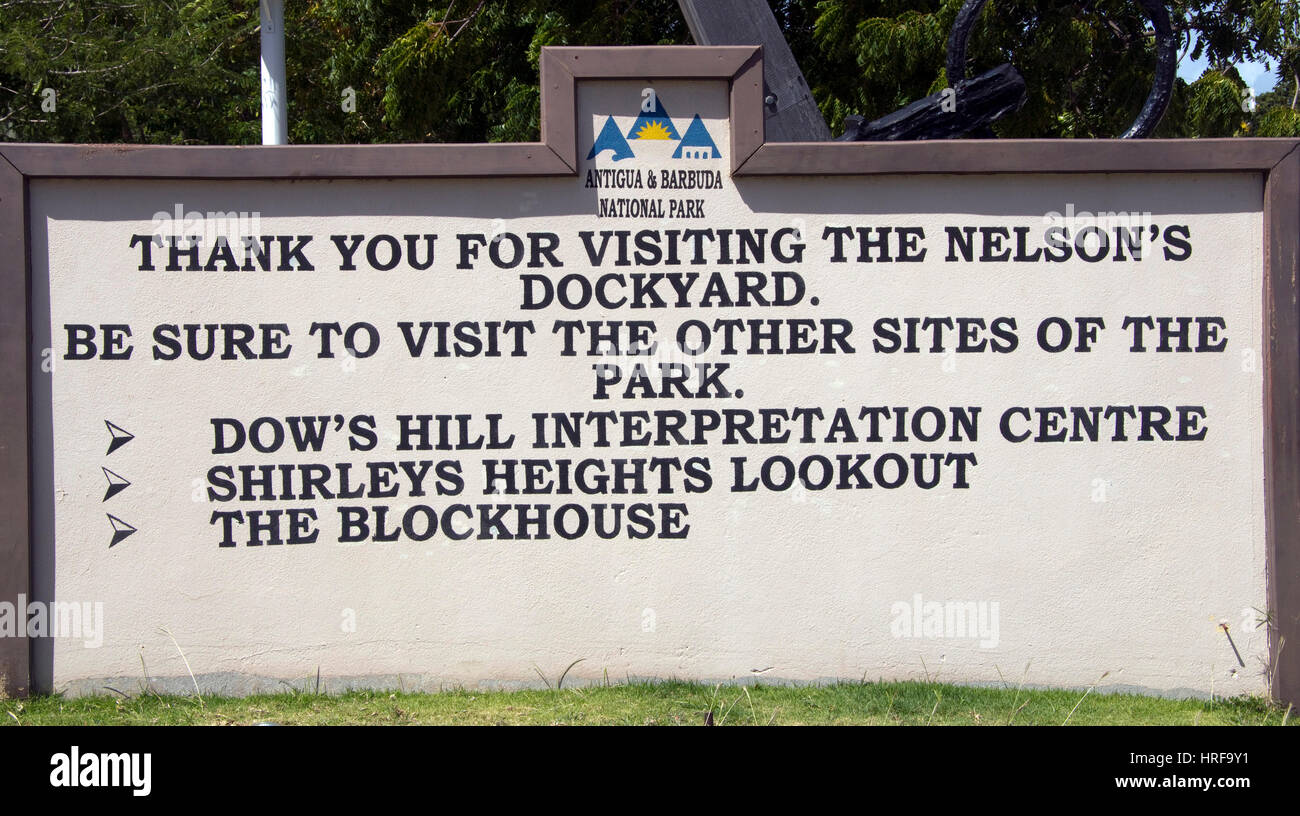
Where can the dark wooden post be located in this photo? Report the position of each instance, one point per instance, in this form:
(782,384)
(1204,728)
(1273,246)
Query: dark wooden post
(15,573)
(792,115)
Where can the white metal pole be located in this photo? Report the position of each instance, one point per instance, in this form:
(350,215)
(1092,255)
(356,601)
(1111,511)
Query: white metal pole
(275,96)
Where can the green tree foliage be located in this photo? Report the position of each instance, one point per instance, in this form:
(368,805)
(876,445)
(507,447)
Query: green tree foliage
(1278,113)
(1088,65)
(466,70)
(141,71)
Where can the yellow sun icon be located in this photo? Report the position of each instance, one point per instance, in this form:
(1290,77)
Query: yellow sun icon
(653,130)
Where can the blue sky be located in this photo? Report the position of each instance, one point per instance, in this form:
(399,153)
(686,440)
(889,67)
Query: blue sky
(1254,73)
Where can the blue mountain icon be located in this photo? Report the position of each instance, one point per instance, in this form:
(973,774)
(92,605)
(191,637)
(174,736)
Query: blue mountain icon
(653,124)
(610,139)
(697,143)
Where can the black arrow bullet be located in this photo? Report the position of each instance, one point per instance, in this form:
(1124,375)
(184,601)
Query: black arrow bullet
(120,529)
(116,483)
(120,437)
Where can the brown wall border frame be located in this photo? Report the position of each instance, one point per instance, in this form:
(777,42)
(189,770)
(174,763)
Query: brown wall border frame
(15,345)
(1276,161)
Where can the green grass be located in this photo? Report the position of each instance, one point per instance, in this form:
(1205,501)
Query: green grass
(666,703)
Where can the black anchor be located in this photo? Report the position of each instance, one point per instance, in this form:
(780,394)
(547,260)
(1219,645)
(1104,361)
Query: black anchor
(971,105)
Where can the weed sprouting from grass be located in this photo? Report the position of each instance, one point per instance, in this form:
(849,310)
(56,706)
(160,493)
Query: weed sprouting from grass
(938,698)
(560,683)
(1085,694)
(712,712)
(752,712)
(1016,699)
(185,660)
(1270,673)
(145,688)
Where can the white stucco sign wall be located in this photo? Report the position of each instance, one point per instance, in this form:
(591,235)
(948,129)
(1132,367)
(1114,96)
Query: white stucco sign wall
(666,420)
